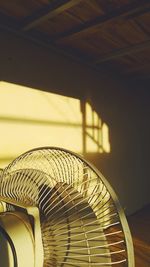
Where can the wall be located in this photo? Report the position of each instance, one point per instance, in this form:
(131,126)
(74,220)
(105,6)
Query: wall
(127,114)
(124,110)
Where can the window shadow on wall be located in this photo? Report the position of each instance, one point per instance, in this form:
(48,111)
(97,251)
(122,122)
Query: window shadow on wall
(31,118)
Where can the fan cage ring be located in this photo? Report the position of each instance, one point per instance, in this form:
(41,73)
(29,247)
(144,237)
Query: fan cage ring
(82,221)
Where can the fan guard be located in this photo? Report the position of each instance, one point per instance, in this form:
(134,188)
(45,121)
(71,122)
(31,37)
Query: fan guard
(81,220)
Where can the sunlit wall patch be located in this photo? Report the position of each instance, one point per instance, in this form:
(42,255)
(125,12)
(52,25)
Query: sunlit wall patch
(31,118)
(96,131)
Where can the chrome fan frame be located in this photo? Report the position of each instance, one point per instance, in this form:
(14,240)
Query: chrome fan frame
(64,195)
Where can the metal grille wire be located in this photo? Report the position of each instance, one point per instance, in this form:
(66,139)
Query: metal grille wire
(80,220)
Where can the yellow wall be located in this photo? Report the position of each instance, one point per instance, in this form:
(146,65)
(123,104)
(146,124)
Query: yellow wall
(30,118)
(124,109)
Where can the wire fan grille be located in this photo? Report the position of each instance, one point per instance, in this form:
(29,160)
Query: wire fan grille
(80,222)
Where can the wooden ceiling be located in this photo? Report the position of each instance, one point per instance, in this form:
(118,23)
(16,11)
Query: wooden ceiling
(110,34)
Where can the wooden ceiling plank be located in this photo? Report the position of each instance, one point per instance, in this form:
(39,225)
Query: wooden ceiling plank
(48,12)
(141,27)
(10,25)
(121,12)
(124,51)
(138,13)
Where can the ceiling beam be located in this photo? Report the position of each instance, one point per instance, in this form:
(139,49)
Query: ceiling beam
(10,25)
(132,49)
(138,13)
(95,23)
(48,12)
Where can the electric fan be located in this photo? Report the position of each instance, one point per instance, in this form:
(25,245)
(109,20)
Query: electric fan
(56,209)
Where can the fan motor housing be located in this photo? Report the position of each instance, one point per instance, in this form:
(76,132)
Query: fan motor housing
(18,228)
(20,237)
